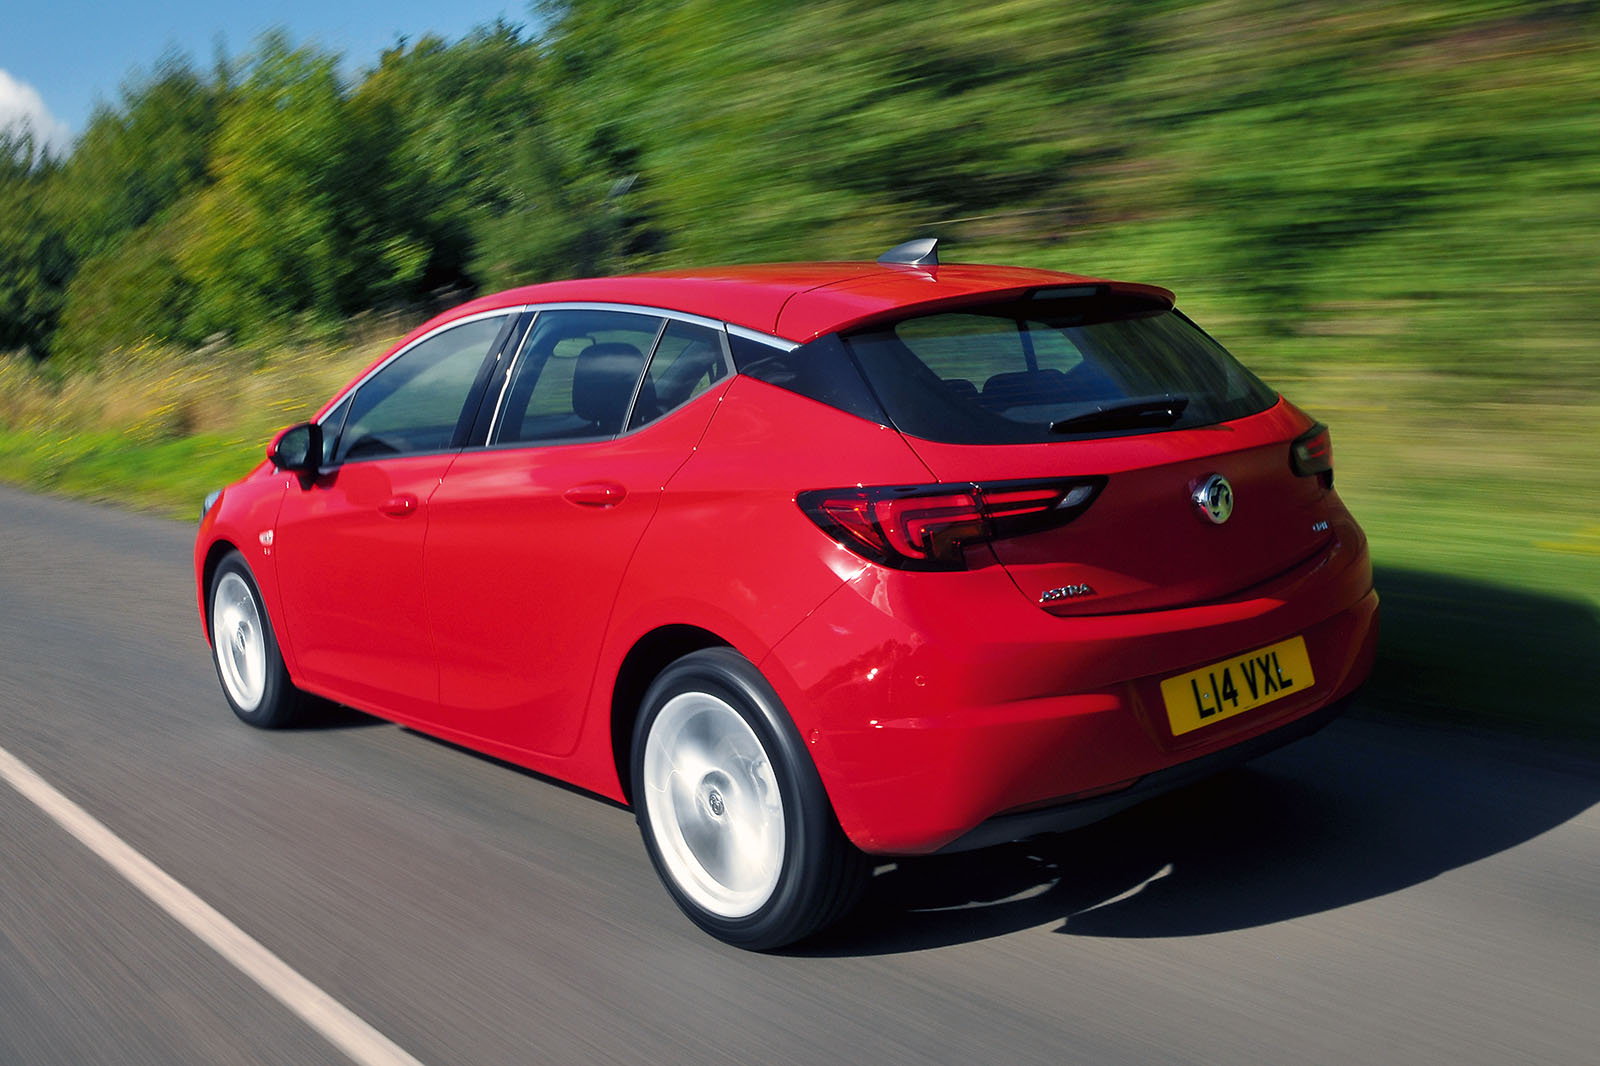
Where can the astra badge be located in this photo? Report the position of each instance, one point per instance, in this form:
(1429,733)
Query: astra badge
(1065,592)
(1214,498)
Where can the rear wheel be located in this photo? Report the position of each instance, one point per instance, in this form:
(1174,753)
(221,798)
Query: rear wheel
(731,809)
(245,651)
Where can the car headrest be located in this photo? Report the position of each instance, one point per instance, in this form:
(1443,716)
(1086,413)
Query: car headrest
(1025,387)
(603,381)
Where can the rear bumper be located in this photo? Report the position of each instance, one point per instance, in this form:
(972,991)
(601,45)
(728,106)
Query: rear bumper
(957,720)
(1078,813)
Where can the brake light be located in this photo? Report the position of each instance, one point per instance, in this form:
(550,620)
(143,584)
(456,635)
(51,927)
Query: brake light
(932,527)
(1312,453)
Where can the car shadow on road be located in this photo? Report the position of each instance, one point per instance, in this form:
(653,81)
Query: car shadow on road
(327,715)
(1489,656)
(1371,805)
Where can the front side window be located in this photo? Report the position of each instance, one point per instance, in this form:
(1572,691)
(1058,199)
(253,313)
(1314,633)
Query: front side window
(332,426)
(417,402)
(577,376)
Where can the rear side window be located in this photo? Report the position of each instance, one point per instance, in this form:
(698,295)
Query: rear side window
(577,376)
(687,361)
(821,370)
(1037,371)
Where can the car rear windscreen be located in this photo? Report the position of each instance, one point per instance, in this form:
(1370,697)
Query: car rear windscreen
(1043,370)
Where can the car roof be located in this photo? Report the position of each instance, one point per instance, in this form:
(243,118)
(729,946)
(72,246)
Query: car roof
(795,301)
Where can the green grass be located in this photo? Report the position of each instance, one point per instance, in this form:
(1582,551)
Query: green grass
(1483,515)
(168,477)
(156,429)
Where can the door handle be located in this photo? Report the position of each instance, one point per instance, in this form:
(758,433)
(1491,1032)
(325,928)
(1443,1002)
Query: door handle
(399,506)
(596,494)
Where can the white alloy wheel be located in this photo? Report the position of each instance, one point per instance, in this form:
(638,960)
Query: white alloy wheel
(239,640)
(713,805)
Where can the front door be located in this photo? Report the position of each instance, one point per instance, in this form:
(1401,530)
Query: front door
(349,541)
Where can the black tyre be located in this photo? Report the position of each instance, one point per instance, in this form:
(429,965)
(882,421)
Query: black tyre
(731,809)
(245,650)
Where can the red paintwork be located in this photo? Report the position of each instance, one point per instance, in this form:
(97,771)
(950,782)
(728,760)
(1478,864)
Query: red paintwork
(939,706)
(349,572)
(520,576)
(492,596)
(1136,563)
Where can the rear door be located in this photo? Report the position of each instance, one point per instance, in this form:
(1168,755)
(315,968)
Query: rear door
(529,538)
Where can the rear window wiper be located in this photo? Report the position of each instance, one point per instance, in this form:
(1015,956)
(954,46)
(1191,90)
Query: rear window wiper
(1135,414)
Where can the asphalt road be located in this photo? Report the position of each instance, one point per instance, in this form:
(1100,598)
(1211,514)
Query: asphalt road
(1374,894)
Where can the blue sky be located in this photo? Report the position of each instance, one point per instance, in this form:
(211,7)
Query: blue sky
(59,57)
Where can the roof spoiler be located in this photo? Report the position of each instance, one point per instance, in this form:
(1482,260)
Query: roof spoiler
(922,252)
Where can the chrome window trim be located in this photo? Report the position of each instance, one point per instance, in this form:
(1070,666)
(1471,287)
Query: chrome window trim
(570,305)
(665,313)
(511,370)
(644,372)
(760,338)
(723,330)
(637,309)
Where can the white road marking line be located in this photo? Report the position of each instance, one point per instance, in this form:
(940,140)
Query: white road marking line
(336,1022)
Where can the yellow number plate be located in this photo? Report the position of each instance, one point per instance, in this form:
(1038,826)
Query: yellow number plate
(1236,685)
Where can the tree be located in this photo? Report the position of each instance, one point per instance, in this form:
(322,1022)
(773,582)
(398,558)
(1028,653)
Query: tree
(306,213)
(135,162)
(35,262)
(455,113)
(125,191)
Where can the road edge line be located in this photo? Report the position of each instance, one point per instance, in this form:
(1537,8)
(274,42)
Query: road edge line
(339,1025)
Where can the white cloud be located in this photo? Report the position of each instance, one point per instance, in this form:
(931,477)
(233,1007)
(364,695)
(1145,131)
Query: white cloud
(21,107)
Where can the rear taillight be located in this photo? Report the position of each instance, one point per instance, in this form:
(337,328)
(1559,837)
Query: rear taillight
(932,527)
(1312,453)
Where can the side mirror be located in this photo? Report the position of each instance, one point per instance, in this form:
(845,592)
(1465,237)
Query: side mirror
(297,449)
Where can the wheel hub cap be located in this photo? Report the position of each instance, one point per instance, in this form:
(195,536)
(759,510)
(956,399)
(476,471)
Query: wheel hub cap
(241,648)
(712,805)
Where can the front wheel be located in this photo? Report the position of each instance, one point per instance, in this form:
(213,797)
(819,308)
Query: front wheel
(245,651)
(732,812)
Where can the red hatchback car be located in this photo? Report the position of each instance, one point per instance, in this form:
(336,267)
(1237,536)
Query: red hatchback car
(807,563)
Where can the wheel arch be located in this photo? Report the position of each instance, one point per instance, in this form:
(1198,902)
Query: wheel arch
(650,654)
(219,550)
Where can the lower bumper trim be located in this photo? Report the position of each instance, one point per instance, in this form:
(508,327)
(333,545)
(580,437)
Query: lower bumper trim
(1079,813)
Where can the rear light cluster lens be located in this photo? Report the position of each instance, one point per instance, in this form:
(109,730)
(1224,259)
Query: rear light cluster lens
(1312,453)
(932,527)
